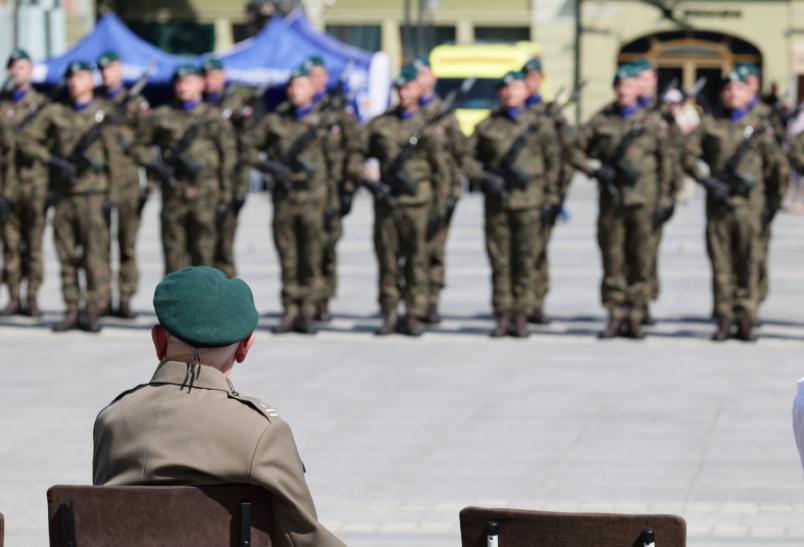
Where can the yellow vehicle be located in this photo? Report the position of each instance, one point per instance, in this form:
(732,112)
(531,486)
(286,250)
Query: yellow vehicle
(452,64)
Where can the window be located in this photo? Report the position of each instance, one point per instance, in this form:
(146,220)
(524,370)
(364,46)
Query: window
(182,38)
(502,34)
(432,36)
(367,37)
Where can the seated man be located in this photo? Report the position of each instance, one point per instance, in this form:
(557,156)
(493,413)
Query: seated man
(188,426)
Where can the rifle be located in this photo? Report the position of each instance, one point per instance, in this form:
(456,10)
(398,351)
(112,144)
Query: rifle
(78,161)
(281,171)
(174,162)
(8,83)
(27,120)
(617,168)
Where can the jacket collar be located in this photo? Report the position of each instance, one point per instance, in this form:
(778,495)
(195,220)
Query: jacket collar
(191,376)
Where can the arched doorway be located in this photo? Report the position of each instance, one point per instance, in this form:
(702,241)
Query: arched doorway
(688,55)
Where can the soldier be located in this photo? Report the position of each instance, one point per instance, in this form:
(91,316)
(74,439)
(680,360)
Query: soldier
(407,201)
(796,153)
(629,144)
(24,191)
(344,132)
(294,141)
(455,148)
(128,111)
(235,108)
(188,426)
(648,81)
(534,77)
(742,175)
(517,168)
(76,142)
(197,154)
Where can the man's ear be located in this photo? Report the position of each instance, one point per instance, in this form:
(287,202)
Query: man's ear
(160,338)
(243,348)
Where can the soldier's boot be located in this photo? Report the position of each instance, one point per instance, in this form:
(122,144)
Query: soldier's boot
(500,328)
(68,322)
(32,309)
(634,329)
(723,331)
(433,317)
(285,324)
(124,311)
(538,317)
(613,329)
(756,321)
(322,313)
(519,327)
(14,306)
(745,330)
(90,321)
(411,326)
(388,325)
(647,318)
(305,325)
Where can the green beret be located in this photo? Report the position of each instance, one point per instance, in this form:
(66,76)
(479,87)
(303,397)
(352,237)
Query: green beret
(641,65)
(533,64)
(736,76)
(77,66)
(747,69)
(203,308)
(300,71)
(107,58)
(508,78)
(421,61)
(314,60)
(626,72)
(211,64)
(408,74)
(17,54)
(186,70)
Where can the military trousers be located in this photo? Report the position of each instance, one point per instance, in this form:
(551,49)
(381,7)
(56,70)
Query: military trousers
(436,264)
(82,244)
(224,243)
(512,250)
(541,270)
(22,242)
(625,237)
(188,231)
(329,258)
(732,238)
(762,259)
(654,286)
(298,234)
(400,244)
(128,227)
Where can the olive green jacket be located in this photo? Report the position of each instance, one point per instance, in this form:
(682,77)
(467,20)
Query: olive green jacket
(129,116)
(455,148)
(567,137)
(19,175)
(188,426)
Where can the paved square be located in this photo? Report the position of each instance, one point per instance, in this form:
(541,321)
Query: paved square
(397,435)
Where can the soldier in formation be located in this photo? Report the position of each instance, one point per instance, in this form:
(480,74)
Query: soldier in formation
(24,189)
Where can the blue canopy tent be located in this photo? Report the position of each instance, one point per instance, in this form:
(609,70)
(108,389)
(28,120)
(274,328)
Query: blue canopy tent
(110,33)
(269,56)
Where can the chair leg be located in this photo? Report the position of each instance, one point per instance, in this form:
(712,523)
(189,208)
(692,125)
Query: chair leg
(245,524)
(67,521)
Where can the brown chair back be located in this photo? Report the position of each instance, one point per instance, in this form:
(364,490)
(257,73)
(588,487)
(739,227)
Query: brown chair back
(519,528)
(160,516)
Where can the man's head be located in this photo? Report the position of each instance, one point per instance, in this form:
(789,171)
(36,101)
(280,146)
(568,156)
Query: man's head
(214,76)
(425,76)
(20,68)
(647,78)
(188,83)
(736,92)
(318,72)
(80,82)
(534,75)
(111,69)
(511,89)
(750,73)
(408,87)
(626,85)
(204,315)
(301,90)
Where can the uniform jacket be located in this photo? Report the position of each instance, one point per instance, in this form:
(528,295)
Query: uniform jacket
(21,175)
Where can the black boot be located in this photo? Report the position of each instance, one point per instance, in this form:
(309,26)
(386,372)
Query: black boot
(305,325)
(90,322)
(125,311)
(745,330)
(322,314)
(519,327)
(538,317)
(647,318)
(285,324)
(500,328)
(723,331)
(14,306)
(388,325)
(68,322)
(411,327)
(32,310)
(612,330)
(433,317)
(634,329)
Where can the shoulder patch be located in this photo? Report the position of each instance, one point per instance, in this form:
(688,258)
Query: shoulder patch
(264,409)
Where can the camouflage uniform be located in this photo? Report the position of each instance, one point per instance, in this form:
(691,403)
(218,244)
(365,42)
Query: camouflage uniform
(298,217)
(191,203)
(566,139)
(625,222)
(732,230)
(512,221)
(795,153)
(455,148)
(235,108)
(133,188)
(400,227)
(25,189)
(79,221)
